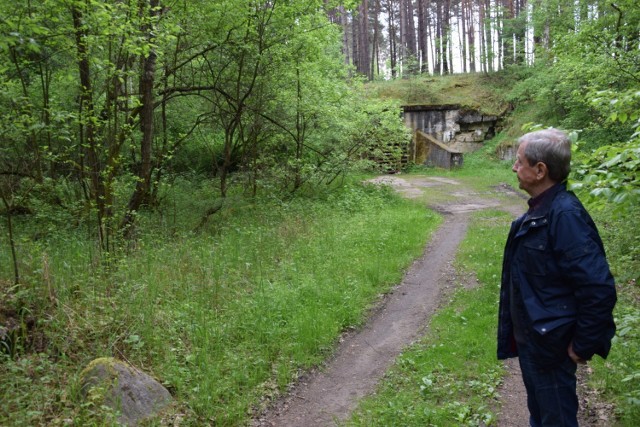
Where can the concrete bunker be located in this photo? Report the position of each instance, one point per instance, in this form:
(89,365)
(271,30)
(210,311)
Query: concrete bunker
(452,130)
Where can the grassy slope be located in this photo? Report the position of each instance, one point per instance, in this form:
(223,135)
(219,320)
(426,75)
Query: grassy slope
(479,91)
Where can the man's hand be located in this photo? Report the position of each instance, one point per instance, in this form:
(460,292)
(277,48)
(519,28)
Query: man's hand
(572,354)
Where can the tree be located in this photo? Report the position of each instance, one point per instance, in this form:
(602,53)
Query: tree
(106,127)
(152,10)
(391,11)
(377,40)
(471,34)
(361,40)
(423,41)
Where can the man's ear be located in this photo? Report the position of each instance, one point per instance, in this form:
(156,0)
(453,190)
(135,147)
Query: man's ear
(541,170)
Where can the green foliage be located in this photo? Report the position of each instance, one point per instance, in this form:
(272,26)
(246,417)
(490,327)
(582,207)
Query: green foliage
(377,128)
(611,172)
(618,377)
(596,54)
(257,92)
(629,339)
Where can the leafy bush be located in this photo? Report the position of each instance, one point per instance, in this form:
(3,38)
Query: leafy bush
(612,172)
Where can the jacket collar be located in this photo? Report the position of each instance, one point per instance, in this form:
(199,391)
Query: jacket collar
(540,205)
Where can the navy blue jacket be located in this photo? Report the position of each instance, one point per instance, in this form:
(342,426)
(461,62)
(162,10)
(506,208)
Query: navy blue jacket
(555,256)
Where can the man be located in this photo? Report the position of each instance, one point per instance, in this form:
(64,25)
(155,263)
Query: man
(557,292)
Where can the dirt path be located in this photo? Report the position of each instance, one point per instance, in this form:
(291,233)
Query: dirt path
(363,357)
(327,397)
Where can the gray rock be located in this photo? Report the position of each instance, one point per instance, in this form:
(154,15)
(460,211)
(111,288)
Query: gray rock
(131,392)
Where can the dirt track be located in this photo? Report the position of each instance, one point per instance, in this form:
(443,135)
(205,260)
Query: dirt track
(327,397)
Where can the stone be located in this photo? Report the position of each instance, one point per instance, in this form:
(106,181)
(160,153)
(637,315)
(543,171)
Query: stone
(134,394)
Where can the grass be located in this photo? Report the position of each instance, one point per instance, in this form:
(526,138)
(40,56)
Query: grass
(618,377)
(478,91)
(225,318)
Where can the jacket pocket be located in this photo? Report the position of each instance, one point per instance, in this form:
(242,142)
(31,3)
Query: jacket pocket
(534,259)
(551,348)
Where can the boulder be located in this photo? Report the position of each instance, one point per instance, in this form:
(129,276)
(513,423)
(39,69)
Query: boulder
(131,392)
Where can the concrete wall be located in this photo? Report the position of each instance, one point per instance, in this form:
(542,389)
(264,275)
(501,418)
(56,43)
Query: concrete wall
(463,129)
(427,150)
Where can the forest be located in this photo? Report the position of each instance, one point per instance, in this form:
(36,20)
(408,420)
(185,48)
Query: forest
(174,173)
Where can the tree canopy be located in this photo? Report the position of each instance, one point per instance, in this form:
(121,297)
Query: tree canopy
(103,100)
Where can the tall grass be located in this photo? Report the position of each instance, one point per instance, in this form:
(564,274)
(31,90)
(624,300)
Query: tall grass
(224,317)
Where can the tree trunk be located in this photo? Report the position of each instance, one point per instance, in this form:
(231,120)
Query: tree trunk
(471,37)
(403,36)
(363,66)
(411,38)
(438,39)
(490,24)
(375,48)
(423,51)
(300,133)
(520,10)
(355,53)
(462,33)
(88,120)
(393,46)
(508,33)
(431,38)
(12,243)
(481,43)
(141,193)
(344,19)
(446,33)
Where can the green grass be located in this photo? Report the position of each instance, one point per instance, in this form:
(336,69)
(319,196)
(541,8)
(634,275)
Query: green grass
(451,376)
(486,93)
(225,318)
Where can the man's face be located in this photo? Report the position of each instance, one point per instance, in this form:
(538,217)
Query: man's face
(527,173)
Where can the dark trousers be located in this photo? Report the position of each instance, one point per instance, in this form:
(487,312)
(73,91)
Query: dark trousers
(551,392)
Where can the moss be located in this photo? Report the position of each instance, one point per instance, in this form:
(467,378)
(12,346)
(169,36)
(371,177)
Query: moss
(99,377)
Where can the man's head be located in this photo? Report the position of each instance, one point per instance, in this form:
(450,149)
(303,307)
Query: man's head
(543,159)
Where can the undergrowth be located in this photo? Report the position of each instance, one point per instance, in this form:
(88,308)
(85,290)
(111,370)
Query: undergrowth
(225,317)
(618,377)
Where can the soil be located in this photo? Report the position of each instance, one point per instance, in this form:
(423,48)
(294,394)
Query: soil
(326,396)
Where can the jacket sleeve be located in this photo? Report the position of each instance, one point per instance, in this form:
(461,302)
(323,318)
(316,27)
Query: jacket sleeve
(581,257)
